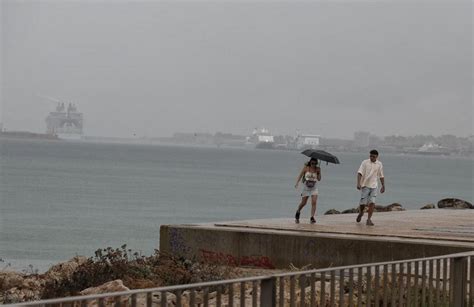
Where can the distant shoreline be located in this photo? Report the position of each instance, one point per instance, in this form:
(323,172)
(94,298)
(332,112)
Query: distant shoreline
(25,135)
(29,136)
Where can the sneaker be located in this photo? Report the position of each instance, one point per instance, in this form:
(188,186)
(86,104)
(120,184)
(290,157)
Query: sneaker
(297,217)
(369,223)
(359,217)
(312,220)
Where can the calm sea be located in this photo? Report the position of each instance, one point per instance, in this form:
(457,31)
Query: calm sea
(60,199)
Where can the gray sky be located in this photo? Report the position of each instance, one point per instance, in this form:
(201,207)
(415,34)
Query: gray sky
(153,68)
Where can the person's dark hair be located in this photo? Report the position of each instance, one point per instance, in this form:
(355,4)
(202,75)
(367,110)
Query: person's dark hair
(374,152)
(312,160)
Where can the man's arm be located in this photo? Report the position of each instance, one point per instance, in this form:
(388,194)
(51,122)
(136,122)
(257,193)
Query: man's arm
(382,181)
(382,178)
(359,175)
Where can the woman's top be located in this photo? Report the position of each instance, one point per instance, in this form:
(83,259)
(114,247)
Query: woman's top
(310,179)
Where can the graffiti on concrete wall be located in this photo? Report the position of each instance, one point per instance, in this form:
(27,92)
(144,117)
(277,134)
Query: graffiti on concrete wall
(231,260)
(177,243)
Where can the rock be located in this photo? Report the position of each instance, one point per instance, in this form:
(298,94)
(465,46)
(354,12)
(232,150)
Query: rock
(18,287)
(391,207)
(428,206)
(378,208)
(394,207)
(454,203)
(32,283)
(10,280)
(64,270)
(18,295)
(353,210)
(111,286)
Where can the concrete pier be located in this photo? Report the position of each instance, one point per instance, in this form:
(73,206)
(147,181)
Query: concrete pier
(334,240)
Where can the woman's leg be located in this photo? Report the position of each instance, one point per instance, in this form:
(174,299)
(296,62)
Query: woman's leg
(314,200)
(304,200)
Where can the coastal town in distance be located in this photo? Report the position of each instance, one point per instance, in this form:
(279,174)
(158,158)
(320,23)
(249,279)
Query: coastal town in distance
(66,123)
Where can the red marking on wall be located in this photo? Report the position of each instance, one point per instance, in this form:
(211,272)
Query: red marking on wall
(228,259)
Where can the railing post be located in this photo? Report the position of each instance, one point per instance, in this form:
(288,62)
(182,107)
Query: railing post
(268,292)
(459,281)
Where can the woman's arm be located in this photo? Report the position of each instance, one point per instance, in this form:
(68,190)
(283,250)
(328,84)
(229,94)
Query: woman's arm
(300,176)
(318,171)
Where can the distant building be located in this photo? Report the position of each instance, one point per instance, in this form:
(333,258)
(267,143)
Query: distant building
(307,141)
(361,139)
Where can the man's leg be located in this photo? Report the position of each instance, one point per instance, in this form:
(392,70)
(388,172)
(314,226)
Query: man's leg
(361,213)
(371,198)
(364,194)
(369,214)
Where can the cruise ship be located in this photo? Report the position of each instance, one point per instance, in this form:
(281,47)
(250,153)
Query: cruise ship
(65,122)
(261,139)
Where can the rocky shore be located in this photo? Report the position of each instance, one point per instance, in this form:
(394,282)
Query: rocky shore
(446,203)
(112,270)
(28,288)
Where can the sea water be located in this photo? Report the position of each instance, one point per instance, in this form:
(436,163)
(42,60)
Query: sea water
(61,199)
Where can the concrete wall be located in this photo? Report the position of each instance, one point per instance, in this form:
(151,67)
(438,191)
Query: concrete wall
(277,250)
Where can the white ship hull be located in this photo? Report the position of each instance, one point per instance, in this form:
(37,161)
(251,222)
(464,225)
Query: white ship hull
(69,136)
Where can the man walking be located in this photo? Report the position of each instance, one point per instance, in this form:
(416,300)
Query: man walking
(369,171)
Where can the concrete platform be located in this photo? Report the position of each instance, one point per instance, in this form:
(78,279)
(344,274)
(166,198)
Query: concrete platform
(449,225)
(333,240)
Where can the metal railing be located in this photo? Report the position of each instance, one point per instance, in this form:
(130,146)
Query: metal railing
(434,281)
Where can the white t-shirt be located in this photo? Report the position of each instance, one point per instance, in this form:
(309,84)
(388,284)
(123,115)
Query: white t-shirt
(370,171)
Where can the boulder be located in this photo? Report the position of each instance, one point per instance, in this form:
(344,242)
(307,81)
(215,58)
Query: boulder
(332,211)
(394,207)
(108,287)
(18,287)
(353,210)
(454,203)
(10,280)
(391,207)
(428,206)
(64,270)
(378,208)
(18,295)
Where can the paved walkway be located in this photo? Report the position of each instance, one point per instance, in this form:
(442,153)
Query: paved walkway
(433,224)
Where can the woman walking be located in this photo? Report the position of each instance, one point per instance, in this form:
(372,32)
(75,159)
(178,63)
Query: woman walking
(310,175)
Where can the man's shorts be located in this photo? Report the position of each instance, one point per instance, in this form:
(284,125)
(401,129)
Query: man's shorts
(367,195)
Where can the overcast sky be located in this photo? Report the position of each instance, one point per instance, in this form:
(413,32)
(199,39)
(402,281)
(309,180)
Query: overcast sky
(154,68)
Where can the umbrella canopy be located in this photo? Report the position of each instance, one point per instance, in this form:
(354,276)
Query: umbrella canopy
(321,155)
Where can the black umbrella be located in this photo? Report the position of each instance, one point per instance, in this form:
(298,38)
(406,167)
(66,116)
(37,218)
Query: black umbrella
(321,155)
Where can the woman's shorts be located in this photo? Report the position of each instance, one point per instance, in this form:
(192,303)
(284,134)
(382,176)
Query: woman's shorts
(309,191)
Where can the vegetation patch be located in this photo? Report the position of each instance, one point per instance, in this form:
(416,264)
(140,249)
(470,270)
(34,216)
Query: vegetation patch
(135,270)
